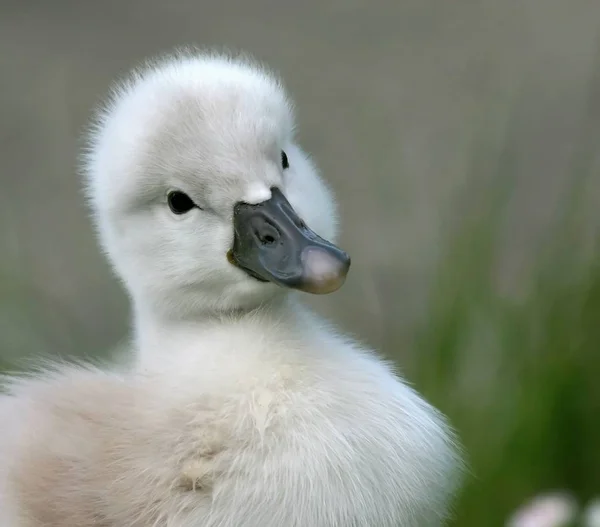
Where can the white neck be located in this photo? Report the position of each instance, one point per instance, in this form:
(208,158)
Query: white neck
(157,332)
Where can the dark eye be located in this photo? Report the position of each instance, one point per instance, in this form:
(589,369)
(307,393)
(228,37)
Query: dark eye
(180,202)
(284,160)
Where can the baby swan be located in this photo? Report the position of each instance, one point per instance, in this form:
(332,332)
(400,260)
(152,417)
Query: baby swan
(242,408)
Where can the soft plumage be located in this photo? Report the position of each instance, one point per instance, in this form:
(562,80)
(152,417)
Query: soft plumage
(242,407)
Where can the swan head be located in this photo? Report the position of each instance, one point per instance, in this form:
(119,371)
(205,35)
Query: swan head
(201,197)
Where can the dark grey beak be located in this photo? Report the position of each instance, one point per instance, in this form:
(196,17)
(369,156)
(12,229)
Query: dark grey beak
(272,244)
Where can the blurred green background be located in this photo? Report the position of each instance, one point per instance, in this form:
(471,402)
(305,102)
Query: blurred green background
(462,138)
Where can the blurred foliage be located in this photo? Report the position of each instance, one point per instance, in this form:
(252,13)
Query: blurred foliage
(527,404)
(34,324)
(519,377)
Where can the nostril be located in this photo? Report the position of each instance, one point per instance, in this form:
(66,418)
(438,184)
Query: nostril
(264,232)
(265,238)
(268,239)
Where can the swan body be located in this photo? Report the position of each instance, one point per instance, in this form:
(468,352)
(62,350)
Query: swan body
(242,408)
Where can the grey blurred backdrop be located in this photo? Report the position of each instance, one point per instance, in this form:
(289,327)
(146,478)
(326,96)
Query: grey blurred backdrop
(406,106)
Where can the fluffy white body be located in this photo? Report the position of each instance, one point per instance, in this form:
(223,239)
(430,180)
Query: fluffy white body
(242,409)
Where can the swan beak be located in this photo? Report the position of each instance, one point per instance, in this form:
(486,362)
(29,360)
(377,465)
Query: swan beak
(273,244)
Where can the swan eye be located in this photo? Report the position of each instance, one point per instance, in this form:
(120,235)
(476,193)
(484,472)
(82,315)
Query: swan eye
(179,202)
(284,160)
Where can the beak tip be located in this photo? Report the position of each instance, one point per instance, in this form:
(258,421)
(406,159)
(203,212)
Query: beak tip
(324,272)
